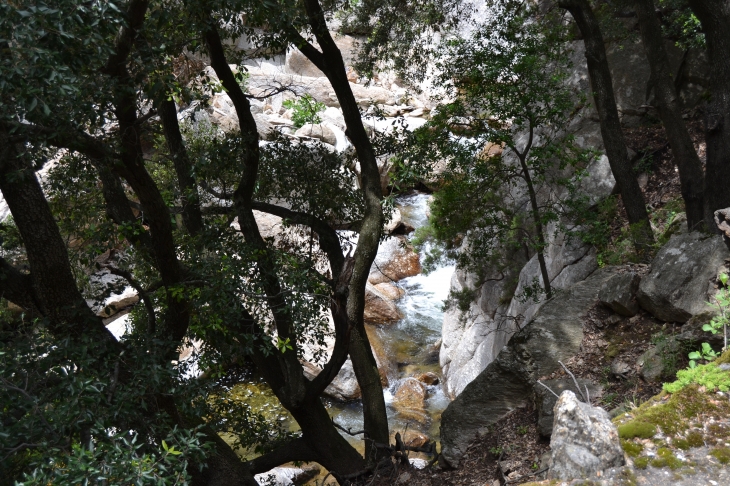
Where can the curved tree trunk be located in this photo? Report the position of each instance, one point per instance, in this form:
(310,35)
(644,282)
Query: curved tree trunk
(330,62)
(691,175)
(715,18)
(613,137)
(282,370)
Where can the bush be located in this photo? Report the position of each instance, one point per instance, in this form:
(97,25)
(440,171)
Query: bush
(306,110)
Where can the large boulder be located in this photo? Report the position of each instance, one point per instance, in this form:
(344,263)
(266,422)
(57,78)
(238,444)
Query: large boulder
(618,294)
(546,399)
(553,335)
(298,63)
(410,401)
(343,388)
(683,277)
(396,260)
(379,307)
(584,441)
(317,131)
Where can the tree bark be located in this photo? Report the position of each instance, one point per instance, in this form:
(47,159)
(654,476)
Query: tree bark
(183,168)
(613,138)
(330,62)
(282,370)
(691,175)
(535,209)
(54,290)
(715,18)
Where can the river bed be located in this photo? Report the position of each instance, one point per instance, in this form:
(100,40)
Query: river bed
(410,341)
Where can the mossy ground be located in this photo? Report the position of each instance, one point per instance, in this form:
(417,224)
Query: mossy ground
(657,432)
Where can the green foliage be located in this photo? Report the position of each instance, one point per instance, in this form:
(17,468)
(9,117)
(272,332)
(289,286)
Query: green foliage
(709,375)
(665,458)
(693,439)
(722,454)
(631,448)
(514,70)
(305,110)
(681,24)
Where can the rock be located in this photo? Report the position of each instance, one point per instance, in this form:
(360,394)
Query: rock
(546,400)
(428,378)
(318,131)
(288,476)
(410,401)
(379,308)
(395,261)
(722,221)
(383,359)
(411,438)
(682,277)
(692,334)
(584,441)
(619,368)
(395,221)
(111,293)
(390,290)
(298,63)
(418,463)
(554,334)
(472,340)
(334,116)
(344,387)
(661,362)
(618,294)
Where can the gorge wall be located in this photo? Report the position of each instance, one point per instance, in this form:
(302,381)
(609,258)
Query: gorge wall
(472,339)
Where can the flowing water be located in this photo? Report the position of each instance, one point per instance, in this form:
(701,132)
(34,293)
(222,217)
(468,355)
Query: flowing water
(412,341)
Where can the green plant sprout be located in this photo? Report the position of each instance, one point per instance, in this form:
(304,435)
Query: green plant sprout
(306,110)
(722,304)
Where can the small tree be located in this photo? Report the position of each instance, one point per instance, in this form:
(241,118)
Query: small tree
(507,85)
(305,110)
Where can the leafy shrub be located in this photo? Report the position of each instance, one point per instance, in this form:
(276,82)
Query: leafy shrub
(710,376)
(306,110)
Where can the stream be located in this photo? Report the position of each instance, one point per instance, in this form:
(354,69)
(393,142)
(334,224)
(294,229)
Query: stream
(410,343)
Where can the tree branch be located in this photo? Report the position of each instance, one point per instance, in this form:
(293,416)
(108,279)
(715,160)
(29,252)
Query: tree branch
(294,450)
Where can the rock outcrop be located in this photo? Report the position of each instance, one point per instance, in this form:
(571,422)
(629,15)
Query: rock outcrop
(545,399)
(584,441)
(682,279)
(472,340)
(508,382)
(618,294)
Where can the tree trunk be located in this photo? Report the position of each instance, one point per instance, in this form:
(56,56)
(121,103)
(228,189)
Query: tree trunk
(691,175)
(183,168)
(613,137)
(331,449)
(330,62)
(535,209)
(715,18)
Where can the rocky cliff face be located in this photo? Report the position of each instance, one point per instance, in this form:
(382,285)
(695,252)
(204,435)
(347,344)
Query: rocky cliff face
(554,335)
(472,340)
